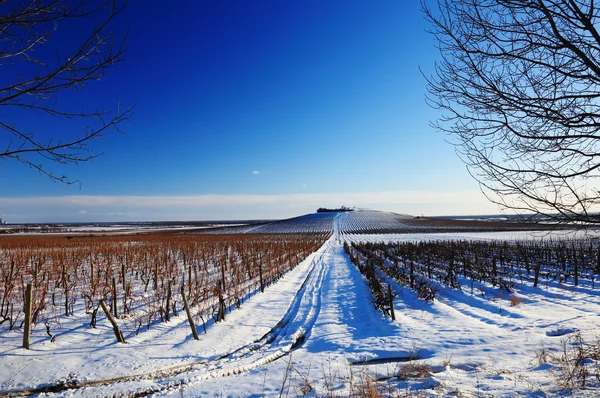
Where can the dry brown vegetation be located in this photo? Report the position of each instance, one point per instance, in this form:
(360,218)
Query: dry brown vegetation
(141,278)
(578,361)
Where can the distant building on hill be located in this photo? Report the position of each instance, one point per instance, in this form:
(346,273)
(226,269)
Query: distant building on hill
(326,210)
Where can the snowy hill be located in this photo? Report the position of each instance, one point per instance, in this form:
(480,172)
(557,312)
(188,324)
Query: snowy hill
(373,221)
(315,222)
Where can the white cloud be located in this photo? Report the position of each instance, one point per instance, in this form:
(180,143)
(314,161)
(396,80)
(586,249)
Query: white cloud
(214,206)
(256,172)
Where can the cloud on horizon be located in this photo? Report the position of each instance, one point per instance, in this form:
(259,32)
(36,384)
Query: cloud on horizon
(231,207)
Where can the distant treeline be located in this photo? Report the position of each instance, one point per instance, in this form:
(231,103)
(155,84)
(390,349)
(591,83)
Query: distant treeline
(325,210)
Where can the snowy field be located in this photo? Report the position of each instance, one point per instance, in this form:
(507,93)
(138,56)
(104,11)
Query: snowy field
(317,333)
(110,229)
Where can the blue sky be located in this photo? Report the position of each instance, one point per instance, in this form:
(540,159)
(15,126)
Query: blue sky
(262,109)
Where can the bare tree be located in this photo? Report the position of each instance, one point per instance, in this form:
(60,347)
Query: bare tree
(37,70)
(518,85)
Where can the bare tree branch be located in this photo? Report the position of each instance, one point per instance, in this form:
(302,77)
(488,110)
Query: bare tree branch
(27,30)
(518,85)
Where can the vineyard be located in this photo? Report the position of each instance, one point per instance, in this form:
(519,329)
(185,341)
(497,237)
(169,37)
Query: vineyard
(378,222)
(143,280)
(318,305)
(429,267)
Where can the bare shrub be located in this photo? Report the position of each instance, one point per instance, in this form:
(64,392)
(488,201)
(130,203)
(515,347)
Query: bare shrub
(413,370)
(515,301)
(366,387)
(577,362)
(542,356)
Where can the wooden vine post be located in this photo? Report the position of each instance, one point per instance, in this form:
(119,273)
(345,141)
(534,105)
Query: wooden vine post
(222,307)
(156,275)
(260,274)
(412,273)
(190,280)
(391,296)
(114,301)
(91,272)
(168,305)
(35,274)
(123,274)
(223,274)
(118,333)
(27,309)
(536,277)
(189,314)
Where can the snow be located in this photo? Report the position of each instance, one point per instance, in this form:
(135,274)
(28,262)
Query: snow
(313,223)
(367,220)
(317,329)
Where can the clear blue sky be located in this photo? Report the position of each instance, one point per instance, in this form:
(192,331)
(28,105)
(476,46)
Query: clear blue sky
(259,109)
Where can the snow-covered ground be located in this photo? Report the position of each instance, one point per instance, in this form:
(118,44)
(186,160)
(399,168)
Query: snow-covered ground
(317,332)
(364,221)
(313,223)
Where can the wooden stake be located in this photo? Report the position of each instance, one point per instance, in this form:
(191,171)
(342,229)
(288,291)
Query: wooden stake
(222,308)
(260,275)
(91,272)
(27,309)
(112,320)
(391,295)
(223,273)
(114,301)
(35,274)
(168,306)
(189,314)
(190,280)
